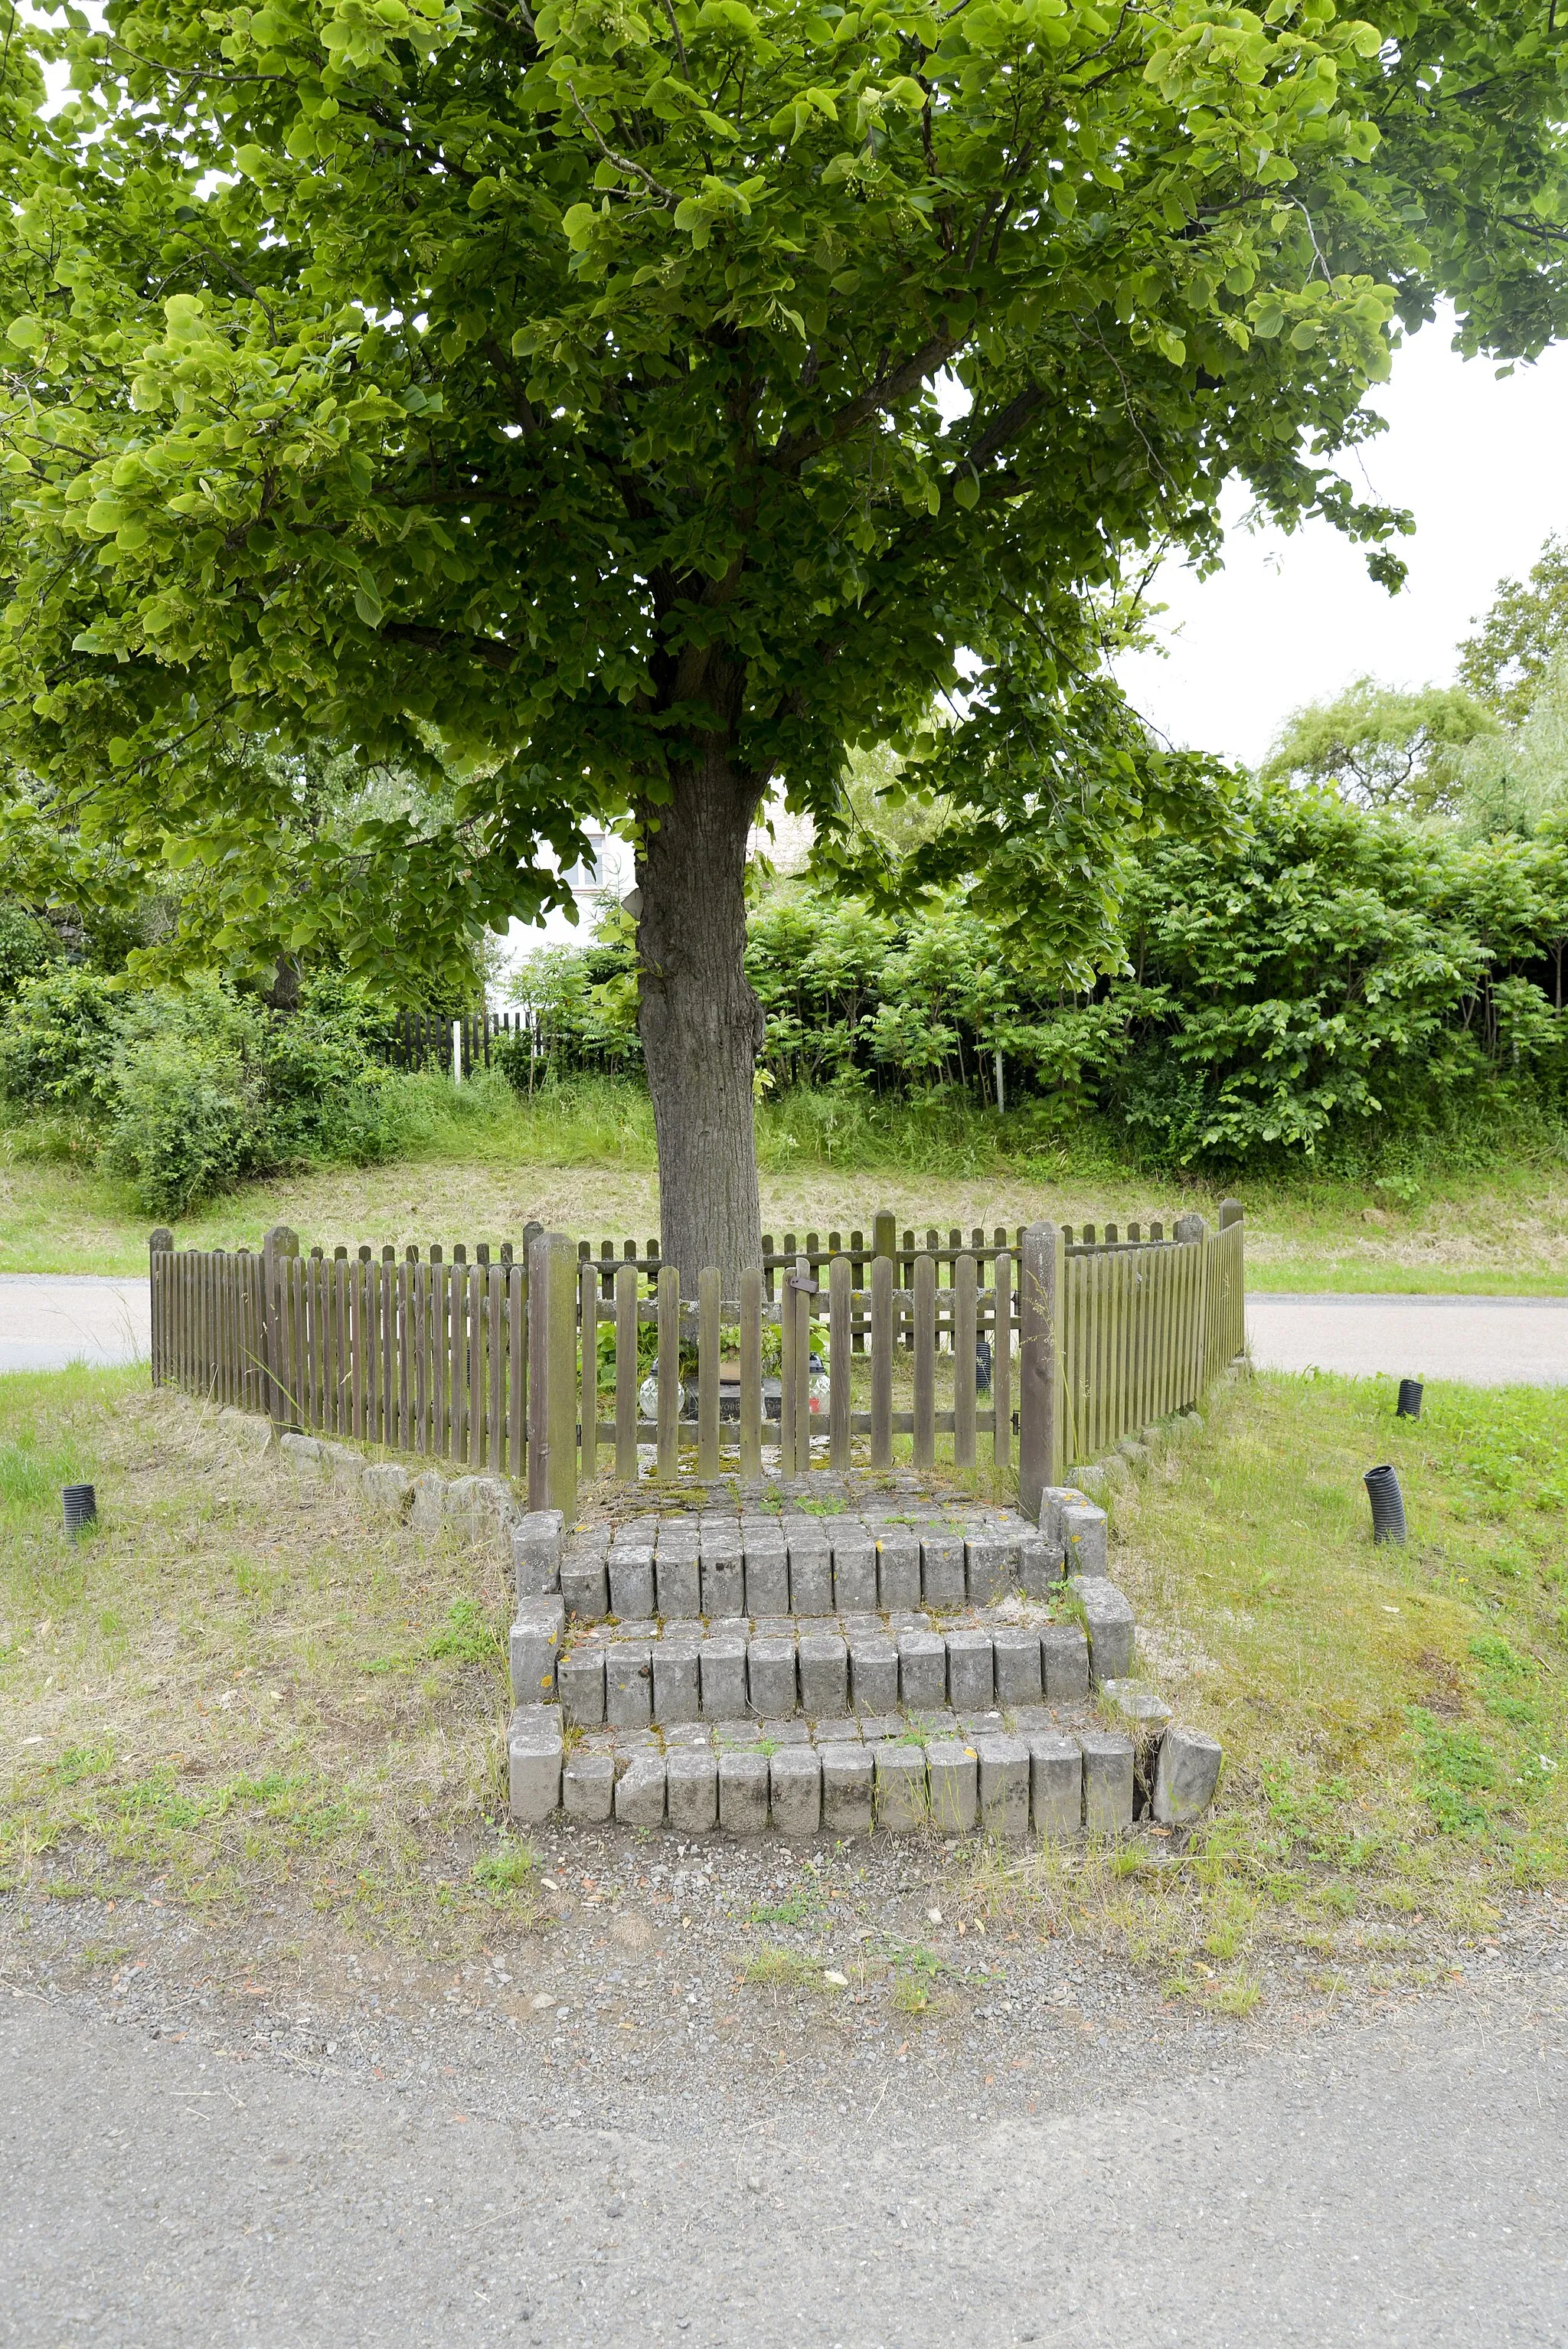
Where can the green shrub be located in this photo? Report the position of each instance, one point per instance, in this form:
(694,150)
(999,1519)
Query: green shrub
(59,1040)
(28,947)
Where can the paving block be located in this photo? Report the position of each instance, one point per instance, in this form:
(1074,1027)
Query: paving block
(795,1782)
(971,1676)
(629,1684)
(743,1778)
(942,1579)
(1108,1616)
(691,1789)
(640,1792)
(1145,1717)
(990,1567)
(1041,1566)
(846,1787)
(538,1539)
(533,1646)
(1064,1662)
(585,1585)
(678,1581)
(767,1577)
(1055,1781)
(770,1676)
(824,1660)
(901,1792)
(722,1666)
(898,1568)
(810,1576)
(951,1775)
(922,1671)
(533,1763)
(790,1730)
(727,1733)
(630,1568)
(1083,1538)
(1004,1787)
(588,1786)
(580,1684)
(677,1693)
(874,1672)
(1107,1781)
(388,1490)
(723,1580)
(1185,1776)
(1016,1649)
(854,1572)
(1053,1499)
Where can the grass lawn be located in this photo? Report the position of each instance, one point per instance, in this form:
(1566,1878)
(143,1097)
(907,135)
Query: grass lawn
(237,1693)
(585,1162)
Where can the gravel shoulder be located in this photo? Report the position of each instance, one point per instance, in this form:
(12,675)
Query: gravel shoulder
(600,2132)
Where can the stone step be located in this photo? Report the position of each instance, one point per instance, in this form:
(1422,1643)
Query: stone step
(686,1568)
(1029,1777)
(636,1675)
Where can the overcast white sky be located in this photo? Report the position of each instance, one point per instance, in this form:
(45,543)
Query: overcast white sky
(1483,465)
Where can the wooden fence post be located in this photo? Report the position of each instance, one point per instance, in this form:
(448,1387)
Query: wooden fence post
(280,1244)
(1039,1368)
(1230,1213)
(627,1379)
(924,1333)
(159,1243)
(552,1373)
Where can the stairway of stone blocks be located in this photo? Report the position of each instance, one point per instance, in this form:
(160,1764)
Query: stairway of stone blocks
(900,1662)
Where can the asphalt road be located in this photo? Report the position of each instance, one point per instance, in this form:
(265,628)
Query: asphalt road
(1484,1341)
(47,1320)
(1394,2183)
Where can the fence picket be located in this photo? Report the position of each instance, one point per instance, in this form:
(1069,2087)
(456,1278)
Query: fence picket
(626,1378)
(881,1343)
(924,1429)
(588,1327)
(839,1276)
(752,1371)
(707,1371)
(965,1330)
(669,1370)
(805,1303)
(1001,1355)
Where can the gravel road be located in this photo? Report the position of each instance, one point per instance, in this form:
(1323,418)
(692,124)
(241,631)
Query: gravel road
(646,2151)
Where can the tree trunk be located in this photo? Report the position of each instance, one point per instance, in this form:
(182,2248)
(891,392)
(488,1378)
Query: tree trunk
(700,1023)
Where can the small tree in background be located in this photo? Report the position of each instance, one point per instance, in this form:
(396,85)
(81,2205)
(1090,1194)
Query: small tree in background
(546,402)
(1382,749)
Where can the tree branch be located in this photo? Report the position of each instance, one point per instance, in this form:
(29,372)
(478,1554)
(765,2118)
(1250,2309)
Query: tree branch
(789,456)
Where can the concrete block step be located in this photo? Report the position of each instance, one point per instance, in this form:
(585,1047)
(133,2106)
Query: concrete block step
(730,1567)
(1014,1776)
(635,1674)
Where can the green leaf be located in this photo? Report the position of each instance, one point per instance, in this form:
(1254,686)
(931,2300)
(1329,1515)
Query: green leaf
(29,334)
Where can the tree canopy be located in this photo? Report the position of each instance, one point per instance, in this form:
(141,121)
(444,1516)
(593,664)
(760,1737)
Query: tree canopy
(548,400)
(1385,749)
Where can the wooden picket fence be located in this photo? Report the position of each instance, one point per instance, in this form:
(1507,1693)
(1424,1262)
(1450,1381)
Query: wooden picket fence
(497,1363)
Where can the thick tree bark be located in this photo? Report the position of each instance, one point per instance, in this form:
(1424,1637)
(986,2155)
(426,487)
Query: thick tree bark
(700,1023)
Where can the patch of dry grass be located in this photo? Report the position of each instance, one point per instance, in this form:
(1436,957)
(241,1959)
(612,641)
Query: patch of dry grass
(237,1682)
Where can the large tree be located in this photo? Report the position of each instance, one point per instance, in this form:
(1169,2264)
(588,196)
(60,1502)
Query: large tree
(551,399)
